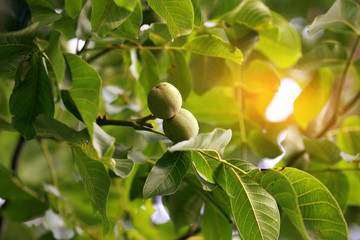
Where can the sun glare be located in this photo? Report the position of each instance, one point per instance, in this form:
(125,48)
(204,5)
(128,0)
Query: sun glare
(282,104)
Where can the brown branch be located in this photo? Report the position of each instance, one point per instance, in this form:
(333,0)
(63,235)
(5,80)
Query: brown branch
(138,123)
(16,155)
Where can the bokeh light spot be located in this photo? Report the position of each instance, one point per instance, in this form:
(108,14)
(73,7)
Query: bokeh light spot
(282,105)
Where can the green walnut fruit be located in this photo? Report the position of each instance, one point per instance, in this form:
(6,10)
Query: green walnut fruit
(181,127)
(164,100)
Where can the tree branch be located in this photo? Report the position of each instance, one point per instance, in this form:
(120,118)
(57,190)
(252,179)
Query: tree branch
(138,123)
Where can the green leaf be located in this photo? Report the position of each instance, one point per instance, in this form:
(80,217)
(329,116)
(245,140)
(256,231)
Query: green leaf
(206,72)
(214,105)
(254,14)
(22,204)
(322,150)
(261,144)
(215,47)
(46,125)
(184,206)
(313,98)
(283,50)
(337,183)
(281,189)
(179,15)
(95,178)
(179,73)
(130,28)
(70,104)
(214,141)
(214,9)
(166,175)
(106,16)
(348,139)
(149,76)
(85,89)
(321,213)
(205,165)
(343,15)
(13,46)
(31,96)
(122,167)
(159,34)
(102,142)
(73,7)
(260,76)
(43,12)
(14,15)
(56,59)
(214,225)
(254,210)
(325,54)
(197,13)
(127,4)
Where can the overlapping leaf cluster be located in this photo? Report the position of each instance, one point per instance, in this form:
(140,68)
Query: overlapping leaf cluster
(227,58)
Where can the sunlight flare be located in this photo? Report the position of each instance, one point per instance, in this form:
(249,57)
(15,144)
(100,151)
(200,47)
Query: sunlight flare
(282,105)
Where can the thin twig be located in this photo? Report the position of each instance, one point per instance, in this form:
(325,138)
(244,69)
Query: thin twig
(138,123)
(337,110)
(52,172)
(16,155)
(338,93)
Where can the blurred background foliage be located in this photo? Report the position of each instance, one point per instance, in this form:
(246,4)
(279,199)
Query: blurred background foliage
(133,49)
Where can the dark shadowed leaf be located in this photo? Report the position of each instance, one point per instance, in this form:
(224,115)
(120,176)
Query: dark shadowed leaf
(179,73)
(179,15)
(216,220)
(206,72)
(46,125)
(22,204)
(13,46)
(95,178)
(343,15)
(31,96)
(14,15)
(184,206)
(213,46)
(106,16)
(166,175)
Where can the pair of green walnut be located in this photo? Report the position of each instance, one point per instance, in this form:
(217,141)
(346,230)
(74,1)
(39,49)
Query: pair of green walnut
(164,101)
